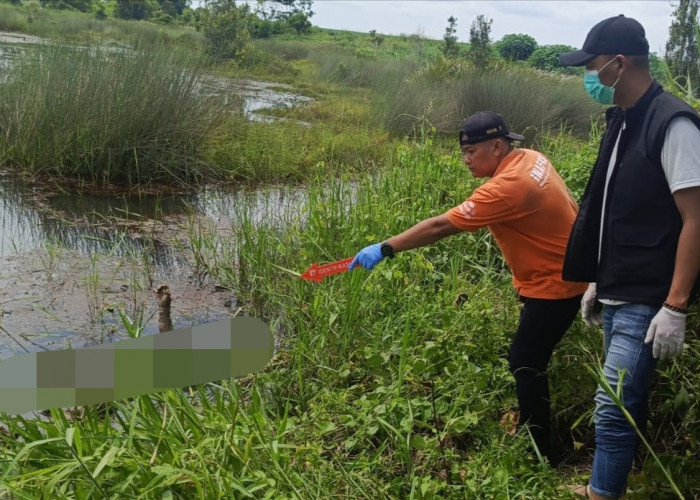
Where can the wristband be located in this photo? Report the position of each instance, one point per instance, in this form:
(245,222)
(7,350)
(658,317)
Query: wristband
(677,309)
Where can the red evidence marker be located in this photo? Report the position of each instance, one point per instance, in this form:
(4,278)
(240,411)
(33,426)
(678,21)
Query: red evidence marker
(317,273)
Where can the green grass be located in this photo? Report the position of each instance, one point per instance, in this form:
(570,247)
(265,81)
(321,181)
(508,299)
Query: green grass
(444,93)
(331,135)
(71,25)
(130,115)
(381,388)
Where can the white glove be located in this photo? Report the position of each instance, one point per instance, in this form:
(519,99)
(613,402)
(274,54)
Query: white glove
(590,317)
(667,330)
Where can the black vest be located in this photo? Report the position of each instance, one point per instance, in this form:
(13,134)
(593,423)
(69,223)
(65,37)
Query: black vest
(642,223)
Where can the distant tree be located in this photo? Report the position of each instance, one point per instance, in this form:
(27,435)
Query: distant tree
(546,58)
(450,48)
(299,22)
(657,67)
(81,5)
(265,28)
(135,9)
(516,47)
(225,29)
(682,46)
(179,6)
(283,9)
(100,11)
(168,8)
(480,41)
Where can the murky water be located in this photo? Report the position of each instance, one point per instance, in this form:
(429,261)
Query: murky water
(68,267)
(70,263)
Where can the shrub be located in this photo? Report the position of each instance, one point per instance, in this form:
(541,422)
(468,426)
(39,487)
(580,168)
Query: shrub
(546,58)
(531,102)
(516,47)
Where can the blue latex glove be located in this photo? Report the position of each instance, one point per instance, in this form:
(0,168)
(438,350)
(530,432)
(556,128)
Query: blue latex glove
(368,257)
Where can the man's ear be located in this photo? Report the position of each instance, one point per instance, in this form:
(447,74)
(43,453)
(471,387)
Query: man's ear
(499,146)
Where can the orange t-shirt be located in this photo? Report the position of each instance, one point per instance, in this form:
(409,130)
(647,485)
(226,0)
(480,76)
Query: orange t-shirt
(530,212)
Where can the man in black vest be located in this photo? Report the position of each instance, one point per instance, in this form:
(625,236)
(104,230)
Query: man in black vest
(636,238)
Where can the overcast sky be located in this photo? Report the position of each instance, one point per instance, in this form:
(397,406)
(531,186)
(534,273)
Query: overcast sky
(548,22)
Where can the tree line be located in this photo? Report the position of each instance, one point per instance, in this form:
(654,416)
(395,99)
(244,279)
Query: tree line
(681,59)
(229,25)
(264,18)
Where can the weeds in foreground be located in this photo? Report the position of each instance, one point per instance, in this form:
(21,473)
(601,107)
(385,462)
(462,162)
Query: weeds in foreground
(381,387)
(616,395)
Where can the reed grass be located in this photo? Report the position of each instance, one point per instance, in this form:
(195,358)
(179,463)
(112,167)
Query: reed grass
(444,94)
(101,115)
(59,24)
(329,136)
(354,69)
(11,19)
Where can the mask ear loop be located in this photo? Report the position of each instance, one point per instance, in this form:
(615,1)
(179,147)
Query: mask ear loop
(603,67)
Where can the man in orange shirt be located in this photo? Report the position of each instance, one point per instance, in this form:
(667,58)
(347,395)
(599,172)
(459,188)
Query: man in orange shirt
(529,210)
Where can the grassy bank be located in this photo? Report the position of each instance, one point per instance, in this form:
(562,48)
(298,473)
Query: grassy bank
(382,388)
(443,93)
(71,25)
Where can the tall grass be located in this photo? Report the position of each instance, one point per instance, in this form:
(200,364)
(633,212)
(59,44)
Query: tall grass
(324,138)
(444,94)
(106,115)
(381,387)
(344,67)
(86,27)
(12,19)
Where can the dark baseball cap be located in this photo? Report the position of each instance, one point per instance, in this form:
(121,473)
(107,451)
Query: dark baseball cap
(615,35)
(483,126)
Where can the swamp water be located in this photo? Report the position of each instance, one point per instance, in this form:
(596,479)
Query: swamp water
(69,264)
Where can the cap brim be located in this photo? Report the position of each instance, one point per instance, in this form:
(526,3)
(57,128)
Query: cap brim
(578,58)
(515,137)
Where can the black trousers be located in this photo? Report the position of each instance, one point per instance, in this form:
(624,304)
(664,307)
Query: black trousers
(543,322)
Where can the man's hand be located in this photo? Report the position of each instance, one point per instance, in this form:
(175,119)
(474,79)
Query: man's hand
(667,330)
(590,316)
(368,257)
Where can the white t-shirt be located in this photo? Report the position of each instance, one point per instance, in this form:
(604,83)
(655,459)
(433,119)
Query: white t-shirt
(680,155)
(680,160)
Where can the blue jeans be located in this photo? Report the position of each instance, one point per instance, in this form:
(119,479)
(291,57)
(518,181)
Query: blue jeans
(625,327)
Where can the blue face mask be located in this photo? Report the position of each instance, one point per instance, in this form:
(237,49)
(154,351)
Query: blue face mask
(599,92)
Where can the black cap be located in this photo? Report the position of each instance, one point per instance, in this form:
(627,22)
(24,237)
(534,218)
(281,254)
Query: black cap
(483,126)
(615,35)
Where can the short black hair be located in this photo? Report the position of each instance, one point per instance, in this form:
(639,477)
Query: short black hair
(640,62)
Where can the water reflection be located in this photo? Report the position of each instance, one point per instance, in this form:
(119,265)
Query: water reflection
(123,225)
(18,220)
(141,228)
